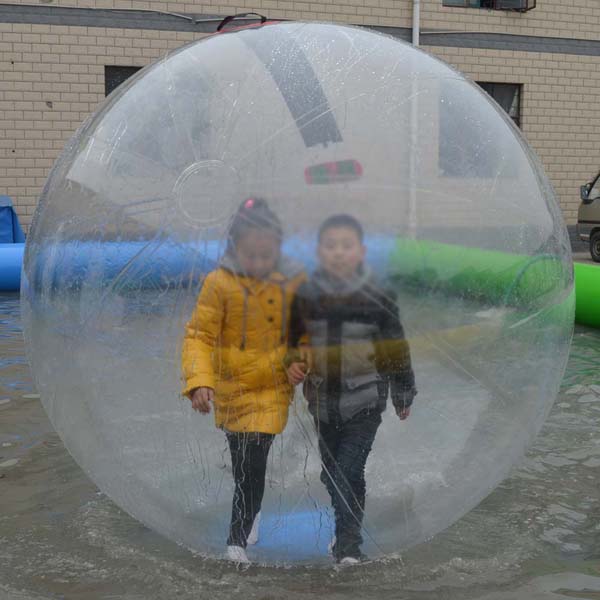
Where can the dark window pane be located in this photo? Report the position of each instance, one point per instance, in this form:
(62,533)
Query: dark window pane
(465,148)
(469,3)
(508,96)
(115,76)
(468,147)
(519,5)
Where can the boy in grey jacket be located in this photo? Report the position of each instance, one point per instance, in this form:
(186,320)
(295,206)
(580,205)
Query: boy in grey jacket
(348,347)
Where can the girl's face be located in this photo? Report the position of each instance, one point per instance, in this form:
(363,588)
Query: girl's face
(257,252)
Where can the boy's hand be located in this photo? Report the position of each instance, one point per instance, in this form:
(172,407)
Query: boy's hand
(201,399)
(296,372)
(403,413)
(403,400)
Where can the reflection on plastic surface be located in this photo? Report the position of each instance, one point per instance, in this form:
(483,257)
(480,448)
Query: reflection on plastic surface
(461,228)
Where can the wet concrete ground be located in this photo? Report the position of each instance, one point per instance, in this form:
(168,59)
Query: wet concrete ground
(537,536)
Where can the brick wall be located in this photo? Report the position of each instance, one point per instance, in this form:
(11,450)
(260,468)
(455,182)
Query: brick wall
(367,12)
(559,114)
(52,78)
(554,18)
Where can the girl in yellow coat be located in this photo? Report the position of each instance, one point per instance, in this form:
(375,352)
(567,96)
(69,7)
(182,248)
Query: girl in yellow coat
(233,355)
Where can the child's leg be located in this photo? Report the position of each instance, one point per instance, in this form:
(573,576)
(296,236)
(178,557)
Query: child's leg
(249,453)
(346,479)
(329,436)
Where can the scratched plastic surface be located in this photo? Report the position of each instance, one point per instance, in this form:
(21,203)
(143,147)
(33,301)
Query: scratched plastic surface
(318,119)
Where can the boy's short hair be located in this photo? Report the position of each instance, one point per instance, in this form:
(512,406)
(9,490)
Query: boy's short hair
(342,220)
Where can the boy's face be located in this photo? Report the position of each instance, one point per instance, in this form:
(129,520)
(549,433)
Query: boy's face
(341,252)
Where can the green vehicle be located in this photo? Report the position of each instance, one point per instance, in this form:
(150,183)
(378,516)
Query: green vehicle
(588,217)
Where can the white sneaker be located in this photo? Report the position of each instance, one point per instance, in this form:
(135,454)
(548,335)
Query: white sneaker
(349,560)
(253,537)
(331,545)
(237,554)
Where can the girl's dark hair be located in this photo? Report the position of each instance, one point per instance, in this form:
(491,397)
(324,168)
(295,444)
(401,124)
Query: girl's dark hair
(253,213)
(342,220)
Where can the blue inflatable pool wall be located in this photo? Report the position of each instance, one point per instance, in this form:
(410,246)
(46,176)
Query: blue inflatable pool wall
(12,244)
(157,263)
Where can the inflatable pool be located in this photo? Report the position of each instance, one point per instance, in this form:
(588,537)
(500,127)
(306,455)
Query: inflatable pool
(587,284)
(11,259)
(481,274)
(11,247)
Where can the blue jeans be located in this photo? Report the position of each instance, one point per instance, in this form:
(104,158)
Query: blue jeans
(345,447)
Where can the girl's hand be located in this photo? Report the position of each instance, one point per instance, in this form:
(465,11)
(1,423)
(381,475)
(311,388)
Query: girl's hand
(202,398)
(296,373)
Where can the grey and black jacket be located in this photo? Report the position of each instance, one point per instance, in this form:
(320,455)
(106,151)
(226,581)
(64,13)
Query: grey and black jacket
(357,344)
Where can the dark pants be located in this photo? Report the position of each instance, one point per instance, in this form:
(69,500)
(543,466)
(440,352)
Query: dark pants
(249,453)
(345,447)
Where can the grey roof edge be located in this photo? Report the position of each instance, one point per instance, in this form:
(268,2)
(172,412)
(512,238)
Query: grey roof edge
(112,18)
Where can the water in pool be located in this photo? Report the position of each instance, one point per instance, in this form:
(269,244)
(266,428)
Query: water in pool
(537,536)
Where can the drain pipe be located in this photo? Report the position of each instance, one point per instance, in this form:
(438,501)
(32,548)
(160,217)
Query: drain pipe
(416,24)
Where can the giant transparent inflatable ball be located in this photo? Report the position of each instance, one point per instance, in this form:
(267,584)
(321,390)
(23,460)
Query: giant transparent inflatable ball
(460,223)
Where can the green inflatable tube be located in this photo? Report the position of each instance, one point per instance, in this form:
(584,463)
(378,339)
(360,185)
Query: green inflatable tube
(484,275)
(587,284)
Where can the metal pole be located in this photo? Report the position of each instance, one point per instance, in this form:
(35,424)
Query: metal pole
(414,126)
(416,24)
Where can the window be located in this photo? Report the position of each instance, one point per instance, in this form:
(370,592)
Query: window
(467,148)
(508,96)
(469,3)
(115,76)
(512,5)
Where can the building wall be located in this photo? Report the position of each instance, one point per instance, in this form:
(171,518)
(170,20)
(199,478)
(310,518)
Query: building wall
(551,18)
(554,18)
(52,76)
(360,12)
(559,115)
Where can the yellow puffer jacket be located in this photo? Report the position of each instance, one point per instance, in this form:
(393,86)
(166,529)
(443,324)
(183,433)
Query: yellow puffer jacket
(235,343)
